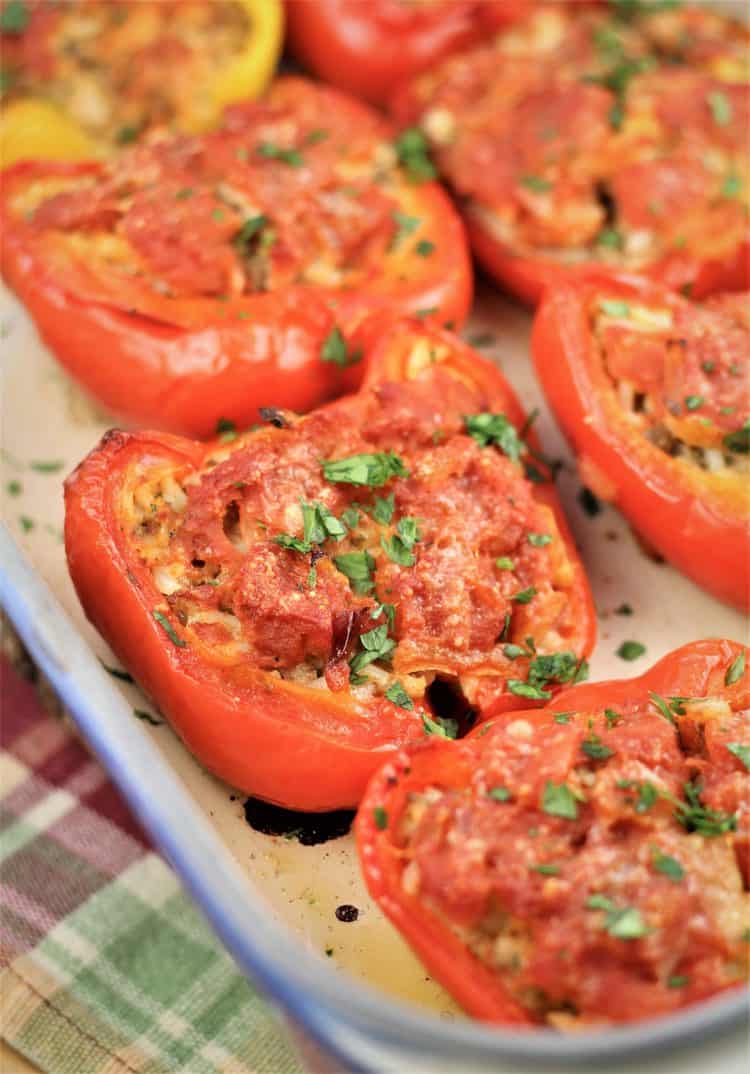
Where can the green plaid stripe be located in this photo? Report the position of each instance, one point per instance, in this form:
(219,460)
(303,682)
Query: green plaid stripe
(135,977)
(109,968)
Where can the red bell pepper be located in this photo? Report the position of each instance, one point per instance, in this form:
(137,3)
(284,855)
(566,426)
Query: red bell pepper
(672,455)
(291,620)
(580,137)
(367,49)
(580,864)
(198,278)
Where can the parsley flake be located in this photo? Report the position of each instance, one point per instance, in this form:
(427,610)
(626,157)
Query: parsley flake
(413,155)
(615,308)
(271,151)
(380,817)
(442,727)
(14,17)
(739,441)
(537,183)
(335,350)
(559,801)
(169,630)
(539,540)
(631,650)
(736,670)
(376,645)
(594,747)
(694,402)
(740,751)
(500,794)
(495,429)
(667,865)
(399,696)
(721,107)
(358,568)
(373,470)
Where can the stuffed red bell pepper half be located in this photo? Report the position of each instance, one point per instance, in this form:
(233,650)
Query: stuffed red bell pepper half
(612,134)
(303,599)
(651,389)
(193,278)
(583,864)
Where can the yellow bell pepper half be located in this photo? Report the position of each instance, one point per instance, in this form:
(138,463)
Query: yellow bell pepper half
(32,128)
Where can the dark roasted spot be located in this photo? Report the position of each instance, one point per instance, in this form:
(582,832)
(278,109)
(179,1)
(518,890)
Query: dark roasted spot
(448,704)
(273,417)
(346,912)
(308,828)
(589,502)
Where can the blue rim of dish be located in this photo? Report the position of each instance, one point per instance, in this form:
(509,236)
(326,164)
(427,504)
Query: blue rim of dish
(350,1019)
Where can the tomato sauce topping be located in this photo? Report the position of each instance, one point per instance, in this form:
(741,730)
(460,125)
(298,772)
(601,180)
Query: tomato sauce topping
(582,131)
(119,68)
(593,860)
(681,372)
(301,188)
(383,540)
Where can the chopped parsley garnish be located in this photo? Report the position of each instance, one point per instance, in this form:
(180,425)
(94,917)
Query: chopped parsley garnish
(358,568)
(335,350)
(388,610)
(677,981)
(425,248)
(611,717)
(127,134)
(380,817)
(26,523)
(442,726)
(609,238)
(614,308)
(663,706)
(376,645)
(496,429)
(399,547)
(525,596)
(721,107)
(226,430)
(563,717)
(382,509)
(514,651)
(14,488)
(373,470)
(743,752)
(251,227)
(350,517)
(625,923)
(539,540)
(319,524)
(732,186)
(559,801)
(399,696)
(696,817)
(316,136)
(558,668)
(14,17)
(736,670)
(271,151)
(646,792)
(739,440)
(524,689)
(405,226)
(589,502)
(47,467)
(184,194)
(667,865)
(427,311)
(631,650)
(413,155)
(500,794)
(169,630)
(616,80)
(594,747)
(504,563)
(546,870)
(694,402)
(537,183)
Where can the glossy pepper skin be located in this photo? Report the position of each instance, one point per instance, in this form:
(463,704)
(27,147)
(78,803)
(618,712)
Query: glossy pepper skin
(33,128)
(712,667)
(696,519)
(289,743)
(530,278)
(183,364)
(366,48)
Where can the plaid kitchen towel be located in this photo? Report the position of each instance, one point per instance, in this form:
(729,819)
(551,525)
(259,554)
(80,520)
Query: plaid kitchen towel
(107,968)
